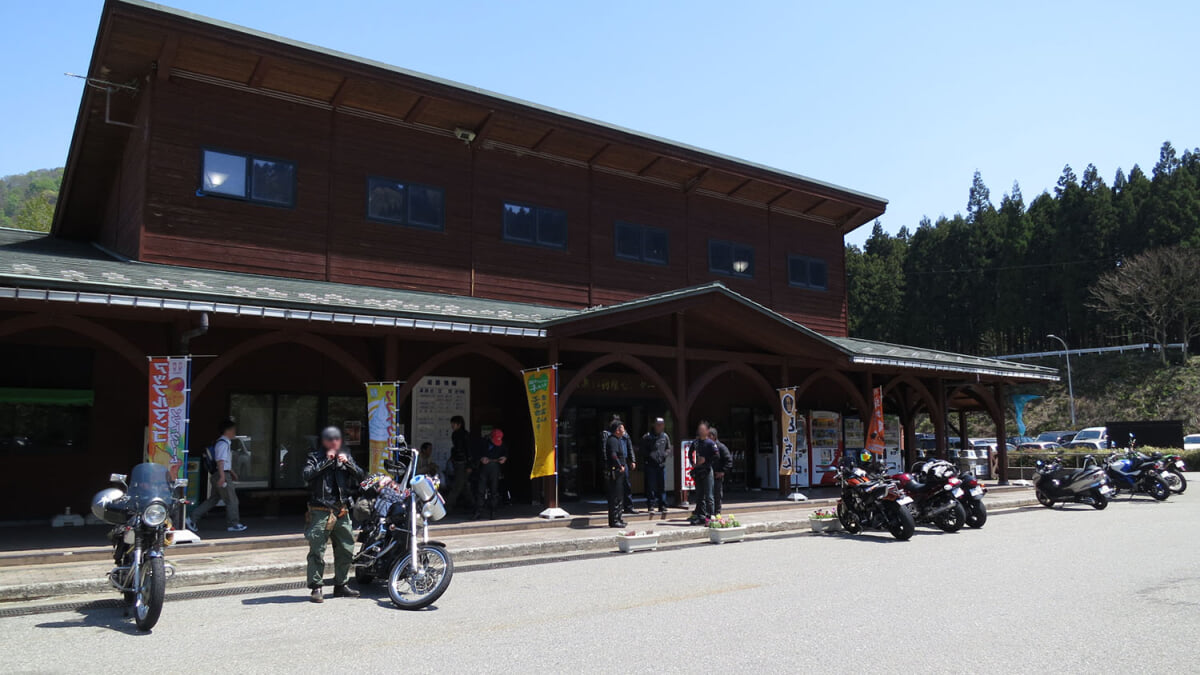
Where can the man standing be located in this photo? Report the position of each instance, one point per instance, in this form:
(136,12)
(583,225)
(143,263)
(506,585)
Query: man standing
(724,464)
(615,472)
(223,477)
(332,478)
(493,452)
(656,452)
(705,454)
(460,457)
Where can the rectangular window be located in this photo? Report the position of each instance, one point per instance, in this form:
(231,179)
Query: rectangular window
(255,179)
(392,201)
(536,225)
(642,243)
(730,259)
(805,272)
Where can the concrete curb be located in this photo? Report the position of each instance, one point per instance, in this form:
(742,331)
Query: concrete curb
(510,552)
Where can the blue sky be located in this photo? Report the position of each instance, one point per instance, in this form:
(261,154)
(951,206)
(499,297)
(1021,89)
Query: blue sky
(902,100)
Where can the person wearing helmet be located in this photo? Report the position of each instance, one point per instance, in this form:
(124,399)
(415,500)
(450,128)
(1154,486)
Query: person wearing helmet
(332,478)
(492,453)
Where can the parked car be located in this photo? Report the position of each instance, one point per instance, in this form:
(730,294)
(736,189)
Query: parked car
(1021,440)
(1060,437)
(1093,434)
(1089,446)
(1039,446)
(1191,442)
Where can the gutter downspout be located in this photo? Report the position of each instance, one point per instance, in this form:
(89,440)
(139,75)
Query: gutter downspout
(185,338)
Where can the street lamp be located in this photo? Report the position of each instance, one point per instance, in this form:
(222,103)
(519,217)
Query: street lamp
(1070,385)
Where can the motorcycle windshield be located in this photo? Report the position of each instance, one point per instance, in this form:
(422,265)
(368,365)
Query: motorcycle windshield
(148,481)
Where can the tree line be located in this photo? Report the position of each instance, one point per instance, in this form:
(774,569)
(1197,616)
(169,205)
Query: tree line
(998,279)
(27,200)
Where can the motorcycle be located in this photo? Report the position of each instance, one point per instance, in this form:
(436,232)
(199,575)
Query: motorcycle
(140,512)
(935,490)
(874,502)
(1136,473)
(972,499)
(1172,471)
(1054,484)
(395,511)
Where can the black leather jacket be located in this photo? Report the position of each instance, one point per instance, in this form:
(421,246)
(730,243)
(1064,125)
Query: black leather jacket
(656,449)
(330,484)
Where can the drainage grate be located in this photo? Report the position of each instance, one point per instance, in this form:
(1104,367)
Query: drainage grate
(120,604)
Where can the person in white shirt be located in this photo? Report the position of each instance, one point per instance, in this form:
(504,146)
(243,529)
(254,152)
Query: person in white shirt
(223,477)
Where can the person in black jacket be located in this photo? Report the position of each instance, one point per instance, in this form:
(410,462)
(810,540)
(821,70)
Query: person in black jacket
(460,459)
(723,466)
(656,452)
(704,458)
(492,453)
(615,472)
(332,478)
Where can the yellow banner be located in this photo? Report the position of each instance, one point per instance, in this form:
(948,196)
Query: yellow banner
(381,421)
(541,388)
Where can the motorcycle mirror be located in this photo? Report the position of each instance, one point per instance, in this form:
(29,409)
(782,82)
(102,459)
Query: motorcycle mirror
(117,478)
(181,482)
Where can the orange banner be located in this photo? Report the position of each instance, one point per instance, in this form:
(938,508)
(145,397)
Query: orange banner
(168,413)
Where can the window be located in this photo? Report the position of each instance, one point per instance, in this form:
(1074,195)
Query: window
(805,272)
(536,225)
(642,243)
(735,260)
(255,179)
(391,201)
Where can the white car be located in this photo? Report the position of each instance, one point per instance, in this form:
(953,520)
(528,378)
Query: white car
(1191,442)
(1097,437)
(1039,446)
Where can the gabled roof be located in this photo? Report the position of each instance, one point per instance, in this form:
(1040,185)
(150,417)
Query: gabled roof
(39,267)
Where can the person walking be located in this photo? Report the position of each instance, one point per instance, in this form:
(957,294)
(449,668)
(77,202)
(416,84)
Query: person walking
(724,465)
(332,478)
(492,454)
(704,453)
(656,452)
(616,468)
(223,478)
(460,461)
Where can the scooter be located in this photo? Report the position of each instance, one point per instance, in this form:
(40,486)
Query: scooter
(1054,484)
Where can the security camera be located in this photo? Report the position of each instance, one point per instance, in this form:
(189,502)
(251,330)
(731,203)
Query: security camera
(464,135)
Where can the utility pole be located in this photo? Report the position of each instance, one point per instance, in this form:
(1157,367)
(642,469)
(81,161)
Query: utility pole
(1070,385)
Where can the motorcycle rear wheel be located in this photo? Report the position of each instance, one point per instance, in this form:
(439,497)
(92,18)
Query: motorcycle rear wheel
(1044,499)
(848,519)
(1182,483)
(1099,501)
(1175,482)
(952,520)
(148,600)
(1158,490)
(437,570)
(976,514)
(900,521)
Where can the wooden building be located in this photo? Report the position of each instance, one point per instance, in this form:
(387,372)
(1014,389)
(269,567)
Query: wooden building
(312,220)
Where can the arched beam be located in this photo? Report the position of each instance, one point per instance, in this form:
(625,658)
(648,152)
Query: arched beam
(314,342)
(107,337)
(983,396)
(506,360)
(710,375)
(633,362)
(842,381)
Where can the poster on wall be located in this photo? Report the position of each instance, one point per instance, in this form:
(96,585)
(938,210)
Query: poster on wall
(541,391)
(685,450)
(352,431)
(381,422)
(435,399)
(167,425)
(825,438)
(793,455)
(891,444)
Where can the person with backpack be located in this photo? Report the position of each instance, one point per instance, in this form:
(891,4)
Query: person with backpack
(218,464)
(656,452)
(723,466)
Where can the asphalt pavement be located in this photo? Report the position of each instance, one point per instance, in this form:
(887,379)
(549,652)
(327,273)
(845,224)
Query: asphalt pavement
(1036,590)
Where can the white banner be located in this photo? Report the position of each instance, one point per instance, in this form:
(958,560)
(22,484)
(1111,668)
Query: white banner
(435,400)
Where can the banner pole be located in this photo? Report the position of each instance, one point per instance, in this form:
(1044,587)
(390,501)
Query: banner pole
(552,510)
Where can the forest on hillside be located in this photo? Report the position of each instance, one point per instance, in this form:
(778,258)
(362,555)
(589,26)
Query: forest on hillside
(27,200)
(998,278)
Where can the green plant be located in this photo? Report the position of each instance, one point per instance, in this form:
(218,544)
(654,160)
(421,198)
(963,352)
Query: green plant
(724,522)
(822,514)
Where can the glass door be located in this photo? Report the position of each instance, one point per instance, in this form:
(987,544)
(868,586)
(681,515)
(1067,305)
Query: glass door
(253,456)
(295,436)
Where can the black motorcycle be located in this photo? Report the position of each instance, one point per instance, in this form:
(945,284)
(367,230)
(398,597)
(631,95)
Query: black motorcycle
(394,511)
(972,499)
(1053,485)
(874,502)
(140,512)
(935,489)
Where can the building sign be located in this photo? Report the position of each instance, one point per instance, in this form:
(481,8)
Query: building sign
(381,422)
(170,388)
(793,455)
(541,391)
(435,400)
(685,451)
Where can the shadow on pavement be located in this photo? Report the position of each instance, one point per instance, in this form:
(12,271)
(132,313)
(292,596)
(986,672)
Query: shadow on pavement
(100,614)
(299,596)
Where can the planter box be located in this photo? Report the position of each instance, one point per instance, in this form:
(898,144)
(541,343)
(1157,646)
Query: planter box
(825,524)
(640,542)
(721,535)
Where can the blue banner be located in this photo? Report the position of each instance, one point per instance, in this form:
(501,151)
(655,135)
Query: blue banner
(1019,402)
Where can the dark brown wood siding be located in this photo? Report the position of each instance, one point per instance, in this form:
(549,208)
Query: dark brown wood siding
(125,210)
(823,311)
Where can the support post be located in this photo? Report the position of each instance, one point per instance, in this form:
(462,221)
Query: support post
(963,439)
(681,395)
(1001,436)
(940,427)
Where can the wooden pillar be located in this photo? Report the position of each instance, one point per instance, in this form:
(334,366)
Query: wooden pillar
(940,419)
(1001,436)
(681,397)
(908,420)
(963,438)
(391,358)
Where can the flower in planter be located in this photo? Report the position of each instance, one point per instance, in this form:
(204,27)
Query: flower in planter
(822,514)
(724,522)
(632,533)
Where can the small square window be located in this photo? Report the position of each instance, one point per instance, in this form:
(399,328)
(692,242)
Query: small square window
(535,225)
(818,276)
(273,182)
(628,241)
(655,250)
(806,272)
(426,207)
(520,223)
(386,200)
(728,258)
(552,228)
(224,174)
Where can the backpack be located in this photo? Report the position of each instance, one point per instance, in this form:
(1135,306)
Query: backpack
(207,464)
(604,447)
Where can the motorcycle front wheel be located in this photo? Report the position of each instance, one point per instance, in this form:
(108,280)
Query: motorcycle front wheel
(976,514)
(1044,499)
(848,519)
(1099,501)
(1158,490)
(410,590)
(953,519)
(900,521)
(148,600)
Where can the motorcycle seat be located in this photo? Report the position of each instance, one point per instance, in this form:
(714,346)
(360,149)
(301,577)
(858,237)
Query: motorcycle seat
(916,486)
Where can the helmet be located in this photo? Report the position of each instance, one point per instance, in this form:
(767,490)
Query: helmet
(102,501)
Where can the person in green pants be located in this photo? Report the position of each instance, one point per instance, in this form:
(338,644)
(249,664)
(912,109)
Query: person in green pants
(332,478)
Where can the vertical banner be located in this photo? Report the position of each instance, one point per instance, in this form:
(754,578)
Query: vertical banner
(875,430)
(541,389)
(687,482)
(793,455)
(170,388)
(381,421)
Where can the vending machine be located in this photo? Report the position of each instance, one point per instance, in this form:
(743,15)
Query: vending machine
(825,443)
(801,462)
(893,458)
(854,437)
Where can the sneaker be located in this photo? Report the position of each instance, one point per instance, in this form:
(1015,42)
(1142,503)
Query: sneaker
(236,528)
(316,595)
(344,592)
(191,525)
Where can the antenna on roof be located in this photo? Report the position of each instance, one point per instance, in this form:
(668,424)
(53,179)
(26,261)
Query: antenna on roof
(108,88)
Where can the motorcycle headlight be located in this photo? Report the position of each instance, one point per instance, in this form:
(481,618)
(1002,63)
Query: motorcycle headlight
(154,515)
